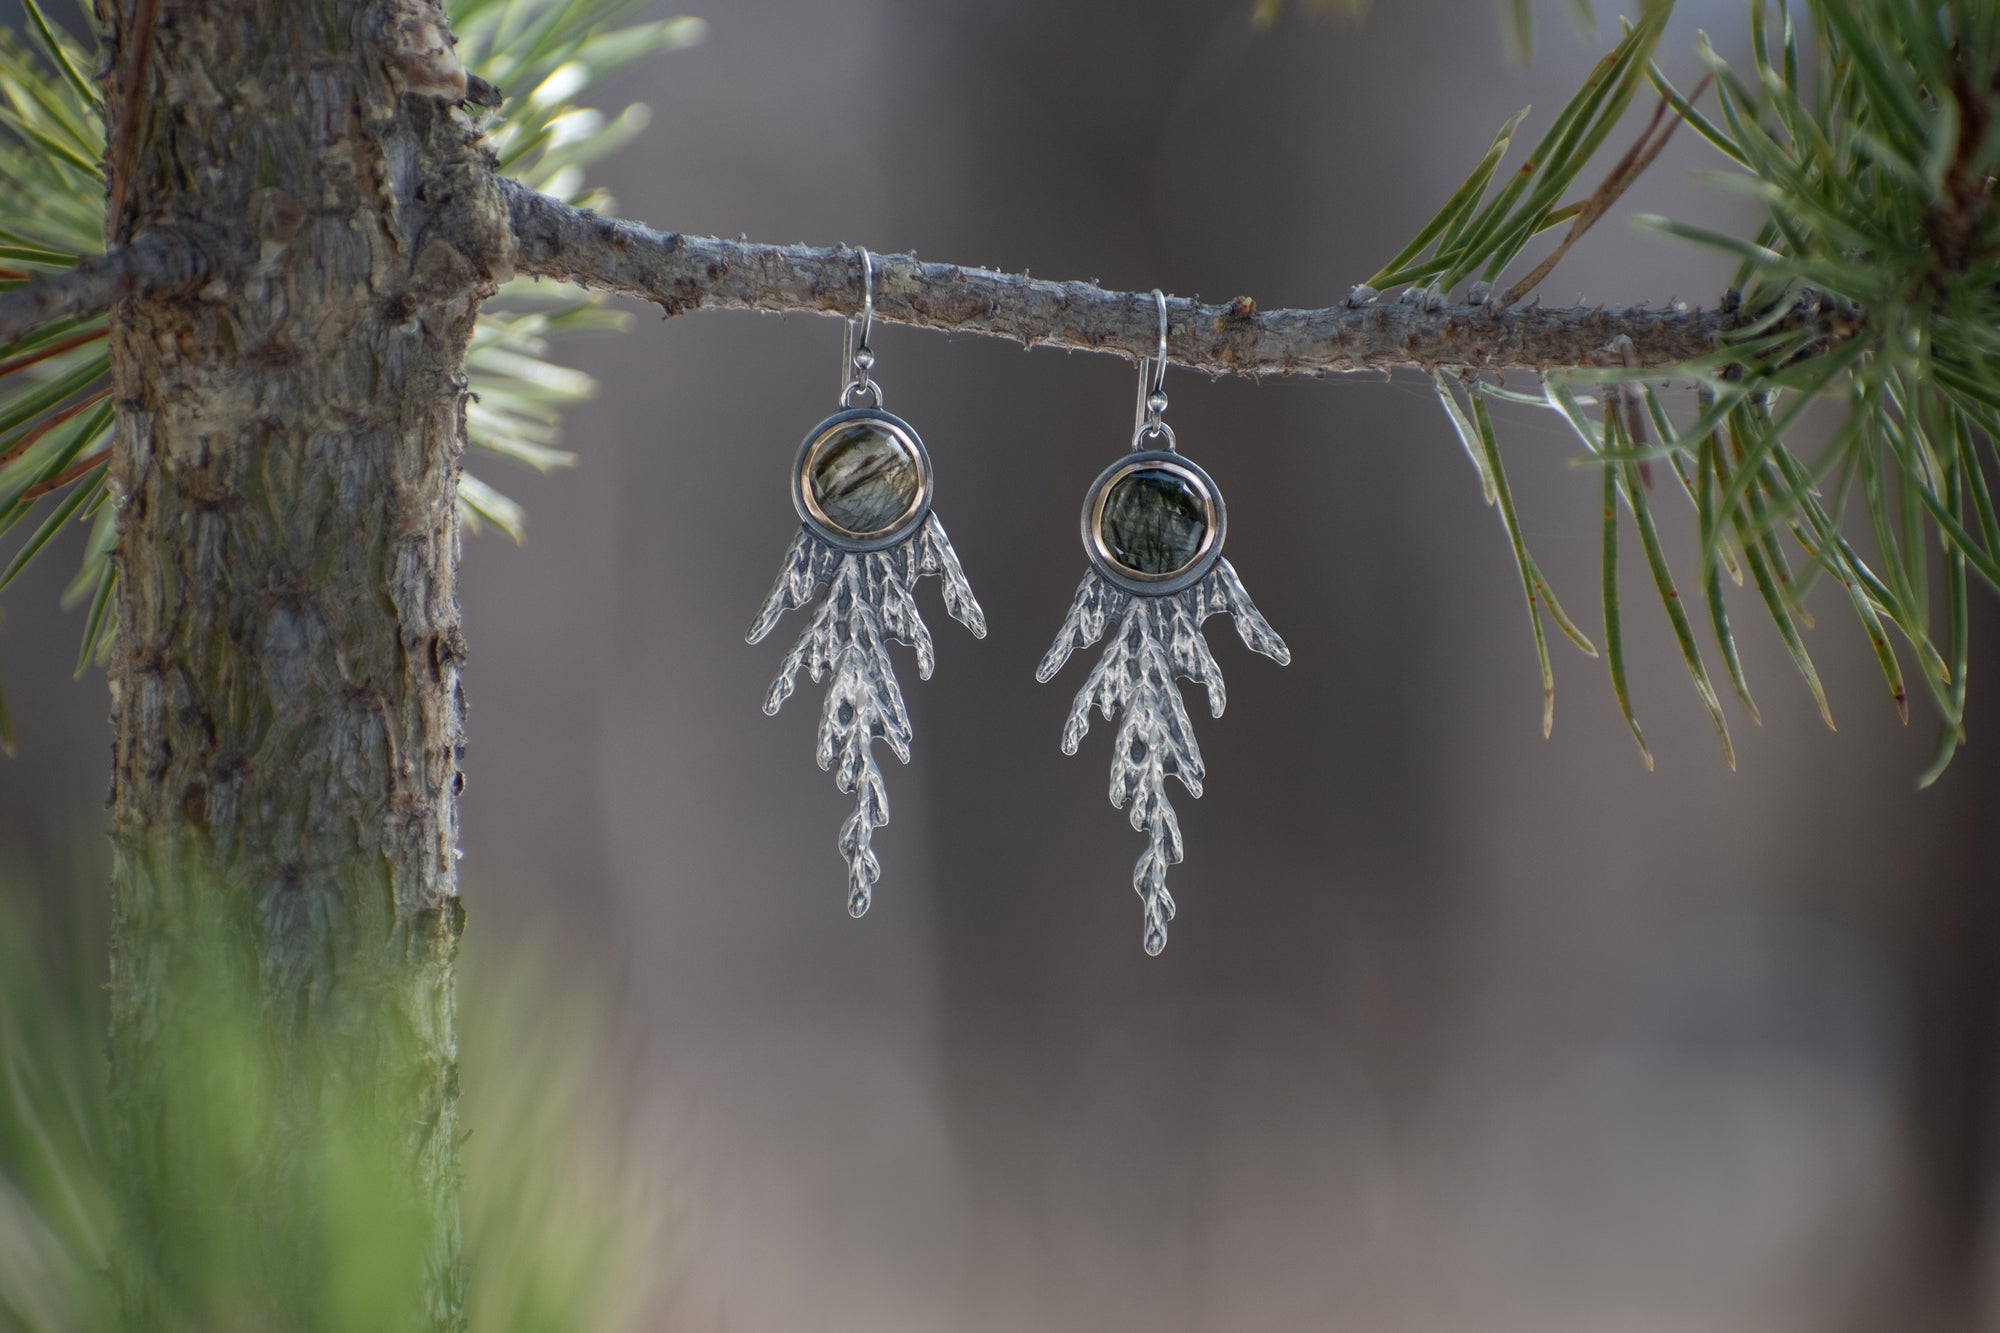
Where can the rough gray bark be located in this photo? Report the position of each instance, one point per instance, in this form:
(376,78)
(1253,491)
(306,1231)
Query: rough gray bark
(285,681)
(682,273)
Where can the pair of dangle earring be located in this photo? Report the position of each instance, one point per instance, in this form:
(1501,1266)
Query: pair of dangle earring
(862,486)
(1153,524)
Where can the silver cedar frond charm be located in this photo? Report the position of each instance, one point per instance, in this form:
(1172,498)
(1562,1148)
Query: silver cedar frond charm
(862,486)
(1153,525)
(1155,640)
(868,602)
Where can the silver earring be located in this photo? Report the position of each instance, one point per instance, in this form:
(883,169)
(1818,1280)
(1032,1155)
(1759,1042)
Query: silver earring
(1153,525)
(862,487)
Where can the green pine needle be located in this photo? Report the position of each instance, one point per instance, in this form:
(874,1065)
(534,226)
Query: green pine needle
(1533,585)
(1614,635)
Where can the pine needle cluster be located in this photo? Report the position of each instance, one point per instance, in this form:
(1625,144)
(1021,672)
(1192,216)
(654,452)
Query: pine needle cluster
(1868,133)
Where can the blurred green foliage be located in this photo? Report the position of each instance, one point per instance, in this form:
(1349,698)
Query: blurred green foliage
(310,1223)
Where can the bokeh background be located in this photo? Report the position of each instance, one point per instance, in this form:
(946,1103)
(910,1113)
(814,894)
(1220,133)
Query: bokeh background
(1458,1028)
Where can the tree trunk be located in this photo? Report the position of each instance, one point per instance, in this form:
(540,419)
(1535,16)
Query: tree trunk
(285,679)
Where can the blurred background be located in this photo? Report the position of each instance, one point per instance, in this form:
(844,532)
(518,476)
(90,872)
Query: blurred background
(1457,1028)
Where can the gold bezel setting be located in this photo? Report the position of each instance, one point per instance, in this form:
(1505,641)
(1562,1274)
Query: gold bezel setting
(816,518)
(1099,551)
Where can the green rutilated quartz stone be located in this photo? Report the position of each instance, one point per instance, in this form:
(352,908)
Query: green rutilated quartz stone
(1154,521)
(863,478)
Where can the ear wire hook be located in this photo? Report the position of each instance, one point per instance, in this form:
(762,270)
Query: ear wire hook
(856,359)
(1152,402)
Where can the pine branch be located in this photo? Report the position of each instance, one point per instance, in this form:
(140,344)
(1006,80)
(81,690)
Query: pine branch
(161,260)
(682,273)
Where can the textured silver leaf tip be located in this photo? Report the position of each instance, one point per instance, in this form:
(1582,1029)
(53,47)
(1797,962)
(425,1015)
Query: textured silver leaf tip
(1156,640)
(867,604)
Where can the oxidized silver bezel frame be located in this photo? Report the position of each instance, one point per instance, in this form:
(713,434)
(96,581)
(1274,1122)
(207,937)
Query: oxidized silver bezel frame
(809,511)
(1152,585)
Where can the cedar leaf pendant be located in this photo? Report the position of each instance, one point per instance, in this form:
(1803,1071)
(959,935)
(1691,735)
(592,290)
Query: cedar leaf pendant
(867,536)
(1153,526)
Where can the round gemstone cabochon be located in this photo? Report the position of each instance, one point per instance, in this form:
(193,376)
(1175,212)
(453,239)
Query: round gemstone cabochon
(863,477)
(1154,521)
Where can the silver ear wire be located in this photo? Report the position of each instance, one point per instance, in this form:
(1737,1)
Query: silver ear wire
(857,388)
(1160,357)
(1147,426)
